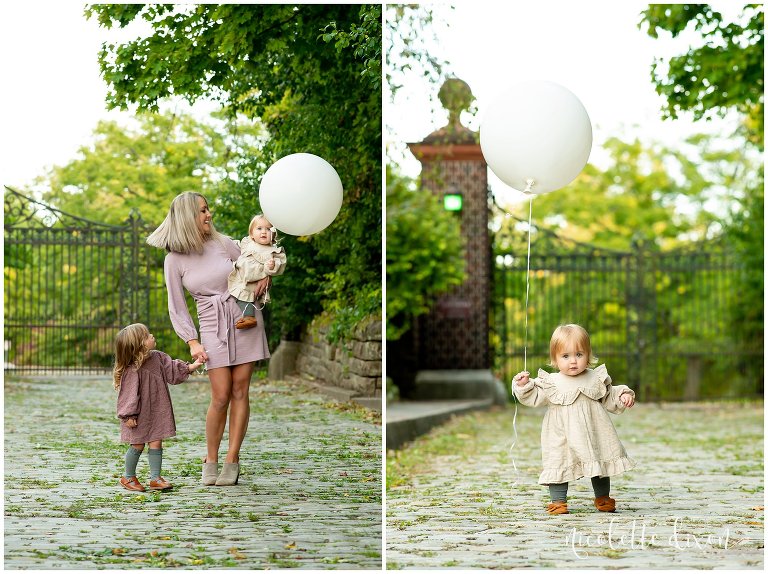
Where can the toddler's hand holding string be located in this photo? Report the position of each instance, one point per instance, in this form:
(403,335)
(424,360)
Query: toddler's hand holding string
(522,378)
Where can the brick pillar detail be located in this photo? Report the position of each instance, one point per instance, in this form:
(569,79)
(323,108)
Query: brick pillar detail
(454,335)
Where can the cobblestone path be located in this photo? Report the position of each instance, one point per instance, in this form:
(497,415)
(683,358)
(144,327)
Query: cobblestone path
(309,495)
(694,501)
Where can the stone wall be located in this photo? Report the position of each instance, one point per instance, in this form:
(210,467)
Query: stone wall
(354,365)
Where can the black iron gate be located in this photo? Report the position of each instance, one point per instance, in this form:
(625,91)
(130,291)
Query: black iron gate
(665,323)
(71,284)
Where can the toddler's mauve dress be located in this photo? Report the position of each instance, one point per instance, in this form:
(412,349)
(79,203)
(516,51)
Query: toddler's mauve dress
(205,277)
(144,395)
(577,436)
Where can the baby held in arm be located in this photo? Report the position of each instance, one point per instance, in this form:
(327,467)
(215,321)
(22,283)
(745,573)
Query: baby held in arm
(260,258)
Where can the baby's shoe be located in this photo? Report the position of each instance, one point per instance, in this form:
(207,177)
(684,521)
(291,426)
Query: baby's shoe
(246,322)
(557,507)
(131,484)
(605,504)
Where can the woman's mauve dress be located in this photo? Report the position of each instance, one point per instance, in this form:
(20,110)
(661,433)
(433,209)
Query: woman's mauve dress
(205,277)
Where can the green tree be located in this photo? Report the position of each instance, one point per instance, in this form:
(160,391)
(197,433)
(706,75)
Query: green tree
(724,73)
(425,253)
(648,192)
(144,166)
(311,73)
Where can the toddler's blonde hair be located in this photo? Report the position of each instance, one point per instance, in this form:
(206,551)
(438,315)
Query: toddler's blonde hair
(129,350)
(570,333)
(253,222)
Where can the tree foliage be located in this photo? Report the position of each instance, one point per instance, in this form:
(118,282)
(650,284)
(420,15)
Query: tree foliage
(425,253)
(648,192)
(144,166)
(409,31)
(311,74)
(725,72)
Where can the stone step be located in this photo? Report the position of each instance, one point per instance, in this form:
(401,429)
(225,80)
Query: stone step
(407,420)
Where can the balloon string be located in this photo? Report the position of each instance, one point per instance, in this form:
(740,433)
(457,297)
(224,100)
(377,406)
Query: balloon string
(527,285)
(525,344)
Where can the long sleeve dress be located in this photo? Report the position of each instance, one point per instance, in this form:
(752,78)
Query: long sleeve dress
(577,436)
(144,395)
(204,276)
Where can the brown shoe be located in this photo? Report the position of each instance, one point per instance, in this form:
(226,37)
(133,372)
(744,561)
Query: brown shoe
(132,484)
(160,484)
(557,507)
(605,504)
(246,322)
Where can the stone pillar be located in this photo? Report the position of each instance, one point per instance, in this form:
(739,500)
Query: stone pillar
(454,335)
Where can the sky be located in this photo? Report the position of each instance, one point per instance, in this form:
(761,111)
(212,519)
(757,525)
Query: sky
(593,48)
(53,95)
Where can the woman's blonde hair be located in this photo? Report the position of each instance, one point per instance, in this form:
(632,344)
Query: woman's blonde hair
(179,232)
(264,217)
(130,350)
(574,334)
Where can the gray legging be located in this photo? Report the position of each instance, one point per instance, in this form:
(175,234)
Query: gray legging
(601,486)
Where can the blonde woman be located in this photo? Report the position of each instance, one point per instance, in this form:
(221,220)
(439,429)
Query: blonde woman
(578,438)
(199,260)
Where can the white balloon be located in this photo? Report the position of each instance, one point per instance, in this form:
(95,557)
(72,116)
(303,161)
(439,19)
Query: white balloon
(301,194)
(536,131)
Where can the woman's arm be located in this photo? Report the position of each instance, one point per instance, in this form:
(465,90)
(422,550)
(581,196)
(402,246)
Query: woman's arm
(177,304)
(178,310)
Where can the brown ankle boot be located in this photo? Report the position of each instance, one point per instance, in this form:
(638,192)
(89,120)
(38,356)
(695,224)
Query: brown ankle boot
(605,504)
(557,507)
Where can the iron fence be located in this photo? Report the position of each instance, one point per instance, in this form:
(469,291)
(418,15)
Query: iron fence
(665,323)
(71,284)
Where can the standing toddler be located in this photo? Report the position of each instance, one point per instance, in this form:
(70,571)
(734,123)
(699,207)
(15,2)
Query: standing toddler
(577,436)
(141,377)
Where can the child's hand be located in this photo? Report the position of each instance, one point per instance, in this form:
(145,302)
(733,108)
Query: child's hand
(196,365)
(131,423)
(627,399)
(271,264)
(522,378)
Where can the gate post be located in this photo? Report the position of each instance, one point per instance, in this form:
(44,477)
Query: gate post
(453,347)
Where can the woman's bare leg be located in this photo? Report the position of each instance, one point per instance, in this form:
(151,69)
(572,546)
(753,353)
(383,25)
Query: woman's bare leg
(216,418)
(240,411)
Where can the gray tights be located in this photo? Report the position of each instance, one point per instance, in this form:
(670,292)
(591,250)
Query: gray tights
(601,486)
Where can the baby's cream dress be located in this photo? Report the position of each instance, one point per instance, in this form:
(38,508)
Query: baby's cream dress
(577,436)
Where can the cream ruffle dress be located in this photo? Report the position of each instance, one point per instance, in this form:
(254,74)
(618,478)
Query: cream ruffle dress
(577,436)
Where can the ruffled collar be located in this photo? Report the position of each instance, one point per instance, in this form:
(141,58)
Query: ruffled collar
(564,390)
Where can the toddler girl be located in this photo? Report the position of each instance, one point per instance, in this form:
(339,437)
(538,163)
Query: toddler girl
(141,377)
(577,436)
(260,257)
